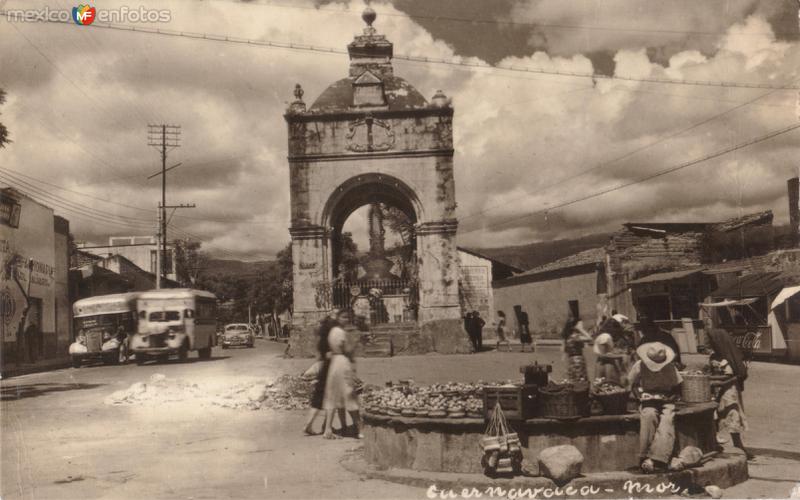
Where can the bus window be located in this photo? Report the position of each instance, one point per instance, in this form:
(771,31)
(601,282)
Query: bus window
(188,313)
(165,316)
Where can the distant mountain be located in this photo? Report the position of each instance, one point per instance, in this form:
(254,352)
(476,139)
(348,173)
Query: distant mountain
(225,267)
(536,254)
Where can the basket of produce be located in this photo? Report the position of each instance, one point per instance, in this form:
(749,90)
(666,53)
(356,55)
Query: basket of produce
(518,402)
(564,401)
(696,387)
(613,398)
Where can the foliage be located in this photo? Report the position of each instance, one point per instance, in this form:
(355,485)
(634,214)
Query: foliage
(398,222)
(348,260)
(266,290)
(189,261)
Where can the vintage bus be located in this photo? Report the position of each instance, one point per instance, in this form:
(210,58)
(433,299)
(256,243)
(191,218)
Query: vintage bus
(174,321)
(104,324)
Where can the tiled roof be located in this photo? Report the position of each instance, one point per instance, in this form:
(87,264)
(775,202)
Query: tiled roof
(478,254)
(756,219)
(591,256)
(81,258)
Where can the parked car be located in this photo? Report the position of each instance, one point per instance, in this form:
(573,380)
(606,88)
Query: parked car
(238,334)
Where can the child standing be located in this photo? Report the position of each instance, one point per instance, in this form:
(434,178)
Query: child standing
(501,331)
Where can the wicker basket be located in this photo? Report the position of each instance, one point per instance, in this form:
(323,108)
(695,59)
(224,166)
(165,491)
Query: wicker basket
(565,404)
(696,388)
(615,403)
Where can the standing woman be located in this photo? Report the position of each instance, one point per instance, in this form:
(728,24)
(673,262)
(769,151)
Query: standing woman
(727,359)
(323,361)
(574,335)
(501,331)
(524,328)
(340,393)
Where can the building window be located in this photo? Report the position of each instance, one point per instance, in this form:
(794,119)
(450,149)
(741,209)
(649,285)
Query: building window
(9,212)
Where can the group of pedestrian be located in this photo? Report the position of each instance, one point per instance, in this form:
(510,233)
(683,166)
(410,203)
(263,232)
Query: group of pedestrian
(473,324)
(336,386)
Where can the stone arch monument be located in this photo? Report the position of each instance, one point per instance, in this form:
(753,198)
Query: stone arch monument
(372,138)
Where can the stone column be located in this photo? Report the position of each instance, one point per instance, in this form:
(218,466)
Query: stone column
(311,274)
(437,261)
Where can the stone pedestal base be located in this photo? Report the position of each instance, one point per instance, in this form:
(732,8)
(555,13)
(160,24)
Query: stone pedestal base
(444,336)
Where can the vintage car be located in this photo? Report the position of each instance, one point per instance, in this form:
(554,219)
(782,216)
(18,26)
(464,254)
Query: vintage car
(238,334)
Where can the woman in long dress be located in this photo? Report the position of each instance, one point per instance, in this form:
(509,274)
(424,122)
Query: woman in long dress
(323,362)
(727,359)
(575,335)
(340,393)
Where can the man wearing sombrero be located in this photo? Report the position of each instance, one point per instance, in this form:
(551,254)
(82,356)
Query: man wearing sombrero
(656,382)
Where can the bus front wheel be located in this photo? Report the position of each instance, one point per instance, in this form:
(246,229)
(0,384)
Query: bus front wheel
(183,352)
(204,353)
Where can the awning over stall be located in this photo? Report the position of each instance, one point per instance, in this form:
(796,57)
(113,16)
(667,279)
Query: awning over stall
(750,285)
(728,303)
(669,276)
(786,294)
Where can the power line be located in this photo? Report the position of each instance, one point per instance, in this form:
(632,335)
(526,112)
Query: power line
(60,72)
(629,153)
(74,211)
(427,60)
(660,173)
(63,202)
(90,214)
(509,22)
(133,207)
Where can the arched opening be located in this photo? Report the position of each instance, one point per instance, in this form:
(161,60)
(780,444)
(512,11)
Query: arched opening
(373,248)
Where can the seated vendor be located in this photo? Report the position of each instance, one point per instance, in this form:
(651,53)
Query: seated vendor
(656,383)
(611,362)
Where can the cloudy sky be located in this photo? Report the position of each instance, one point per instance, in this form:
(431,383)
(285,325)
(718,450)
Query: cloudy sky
(80,99)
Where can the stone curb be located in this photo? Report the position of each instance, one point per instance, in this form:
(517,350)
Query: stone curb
(724,471)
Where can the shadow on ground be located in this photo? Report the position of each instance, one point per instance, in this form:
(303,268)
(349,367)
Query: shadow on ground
(35,390)
(767,452)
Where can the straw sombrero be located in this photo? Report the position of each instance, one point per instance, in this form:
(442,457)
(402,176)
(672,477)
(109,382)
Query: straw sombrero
(655,355)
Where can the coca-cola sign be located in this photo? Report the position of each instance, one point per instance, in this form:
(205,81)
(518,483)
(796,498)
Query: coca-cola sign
(752,339)
(749,341)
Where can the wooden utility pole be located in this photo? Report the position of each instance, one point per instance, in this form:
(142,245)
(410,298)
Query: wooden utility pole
(163,137)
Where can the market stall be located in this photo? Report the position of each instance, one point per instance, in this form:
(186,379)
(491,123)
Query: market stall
(748,308)
(439,428)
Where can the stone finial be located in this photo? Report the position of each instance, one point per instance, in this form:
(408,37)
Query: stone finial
(440,100)
(369,16)
(298,106)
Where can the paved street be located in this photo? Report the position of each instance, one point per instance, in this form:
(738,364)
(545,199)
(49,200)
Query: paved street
(60,440)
